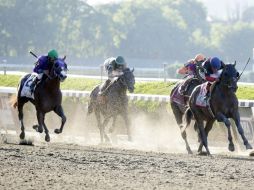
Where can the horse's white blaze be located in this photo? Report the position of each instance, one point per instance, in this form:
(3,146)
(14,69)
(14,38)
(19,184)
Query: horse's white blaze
(63,73)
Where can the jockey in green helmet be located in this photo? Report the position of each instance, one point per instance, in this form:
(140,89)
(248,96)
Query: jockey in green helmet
(42,66)
(114,67)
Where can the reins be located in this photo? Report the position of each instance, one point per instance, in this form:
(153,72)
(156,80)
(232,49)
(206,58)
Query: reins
(243,68)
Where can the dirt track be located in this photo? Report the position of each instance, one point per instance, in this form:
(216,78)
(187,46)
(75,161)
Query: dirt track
(57,166)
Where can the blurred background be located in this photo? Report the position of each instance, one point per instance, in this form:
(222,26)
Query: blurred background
(154,36)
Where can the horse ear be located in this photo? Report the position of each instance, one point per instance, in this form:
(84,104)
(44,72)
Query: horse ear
(64,57)
(132,70)
(234,63)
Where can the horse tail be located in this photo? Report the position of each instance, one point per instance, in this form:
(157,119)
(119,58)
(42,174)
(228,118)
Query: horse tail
(14,101)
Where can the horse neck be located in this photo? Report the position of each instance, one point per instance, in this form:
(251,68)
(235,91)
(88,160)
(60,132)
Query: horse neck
(52,84)
(118,88)
(222,89)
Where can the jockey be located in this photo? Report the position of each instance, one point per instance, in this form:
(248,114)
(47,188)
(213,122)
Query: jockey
(212,70)
(42,66)
(114,68)
(190,70)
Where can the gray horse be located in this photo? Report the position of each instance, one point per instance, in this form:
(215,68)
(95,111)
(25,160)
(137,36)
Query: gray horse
(113,103)
(223,105)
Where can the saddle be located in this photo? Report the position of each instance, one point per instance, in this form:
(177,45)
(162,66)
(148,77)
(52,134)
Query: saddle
(26,89)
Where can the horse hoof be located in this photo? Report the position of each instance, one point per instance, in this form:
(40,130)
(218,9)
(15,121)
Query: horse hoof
(231,147)
(22,135)
(248,146)
(35,127)
(38,128)
(47,138)
(58,131)
(201,153)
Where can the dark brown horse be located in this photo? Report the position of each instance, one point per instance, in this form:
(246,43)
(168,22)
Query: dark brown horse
(223,105)
(178,102)
(47,97)
(114,104)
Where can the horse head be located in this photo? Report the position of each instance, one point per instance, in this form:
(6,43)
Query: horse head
(59,69)
(128,79)
(229,77)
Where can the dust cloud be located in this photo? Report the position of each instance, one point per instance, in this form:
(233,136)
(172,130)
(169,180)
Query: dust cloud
(150,131)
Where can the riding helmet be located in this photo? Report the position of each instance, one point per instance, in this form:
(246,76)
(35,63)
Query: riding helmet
(53,54)
(120,60)
(216,63)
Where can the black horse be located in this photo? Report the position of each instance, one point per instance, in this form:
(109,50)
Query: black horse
(223,105)
(47,97)
(113,103)
(178,102)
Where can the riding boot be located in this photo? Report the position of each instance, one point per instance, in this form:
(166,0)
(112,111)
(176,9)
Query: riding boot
(208,95)
(208,91)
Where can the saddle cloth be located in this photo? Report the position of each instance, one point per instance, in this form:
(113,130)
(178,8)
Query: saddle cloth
(201,100)
(26,90)
(177,97)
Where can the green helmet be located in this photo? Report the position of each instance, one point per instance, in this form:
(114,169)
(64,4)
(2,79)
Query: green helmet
(120,60)
(53,54)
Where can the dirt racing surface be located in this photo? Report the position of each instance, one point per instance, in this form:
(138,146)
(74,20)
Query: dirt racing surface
(59,166)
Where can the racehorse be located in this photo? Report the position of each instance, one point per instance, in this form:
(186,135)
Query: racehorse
(223,104)
(47,97)
(113,103)
(178,102)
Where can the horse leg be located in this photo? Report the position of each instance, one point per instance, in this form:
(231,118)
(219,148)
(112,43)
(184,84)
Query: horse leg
(98,118)
(125,116)
(59,111)
(112,128)
(104,124)
(21,116)
(222,118)
(41,117)
(208,127)
(38,127)
(179,120)
(202,132)
(101,126)
(236,118)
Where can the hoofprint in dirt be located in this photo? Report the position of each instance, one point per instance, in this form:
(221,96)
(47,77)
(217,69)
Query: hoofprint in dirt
(59,166)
